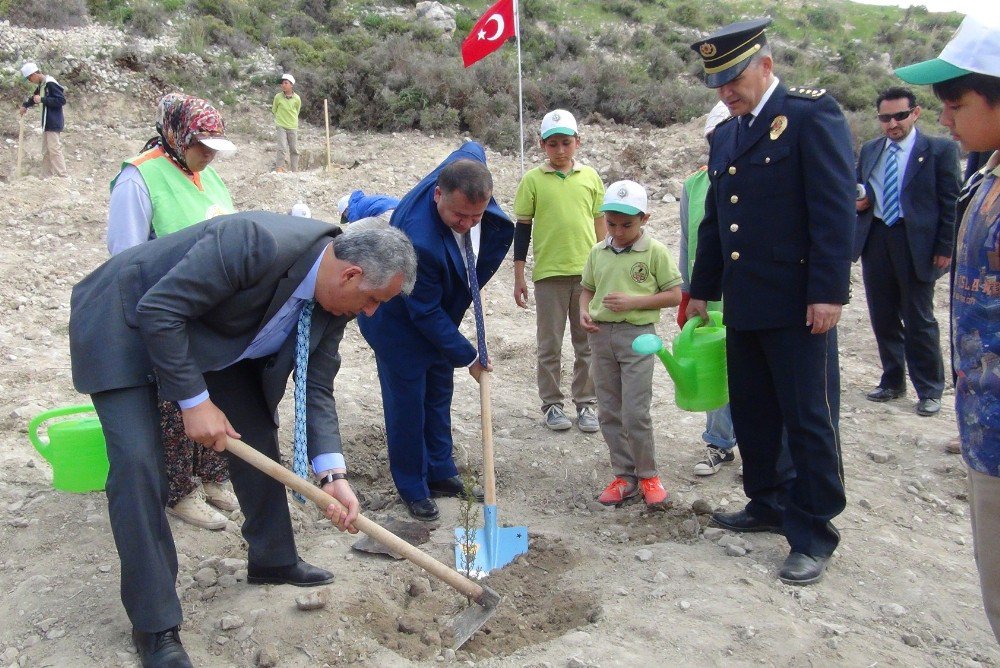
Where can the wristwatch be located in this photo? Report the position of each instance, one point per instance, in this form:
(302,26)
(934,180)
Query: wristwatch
(330,477)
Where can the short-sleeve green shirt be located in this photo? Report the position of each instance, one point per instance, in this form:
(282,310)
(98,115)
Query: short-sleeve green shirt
(562,208)
(286,110)
(644,270)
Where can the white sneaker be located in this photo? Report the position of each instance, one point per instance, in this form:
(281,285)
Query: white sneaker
(713,461)
(193,510)
(556,420)
(220,495)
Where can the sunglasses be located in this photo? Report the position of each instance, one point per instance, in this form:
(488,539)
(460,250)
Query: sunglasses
(899,116)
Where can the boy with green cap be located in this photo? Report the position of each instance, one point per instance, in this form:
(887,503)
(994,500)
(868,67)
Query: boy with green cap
(627,279)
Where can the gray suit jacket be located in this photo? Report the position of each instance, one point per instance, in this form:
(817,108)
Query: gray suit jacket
(192,301)
(928,196)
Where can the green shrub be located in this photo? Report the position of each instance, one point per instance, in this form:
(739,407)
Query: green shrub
(147,18)
(47,13)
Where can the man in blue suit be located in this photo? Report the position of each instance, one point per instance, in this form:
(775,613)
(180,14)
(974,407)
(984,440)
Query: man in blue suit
(776,243)
(904,237)
(416,340)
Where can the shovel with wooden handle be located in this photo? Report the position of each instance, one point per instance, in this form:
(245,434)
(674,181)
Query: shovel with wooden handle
(20,147)
(466,623)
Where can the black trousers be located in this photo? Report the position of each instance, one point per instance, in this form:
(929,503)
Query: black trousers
(788,379)
(901,308)
(137,490)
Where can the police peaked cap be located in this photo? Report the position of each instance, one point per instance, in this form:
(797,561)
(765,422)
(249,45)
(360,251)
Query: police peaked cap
(727,51)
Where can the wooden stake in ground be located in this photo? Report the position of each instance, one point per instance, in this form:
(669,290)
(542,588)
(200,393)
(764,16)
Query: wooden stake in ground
(20,147)
(326,115)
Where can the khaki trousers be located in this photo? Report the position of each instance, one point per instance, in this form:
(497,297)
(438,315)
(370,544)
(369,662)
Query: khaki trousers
(984,504)
(624,382)
(286,146)
(53,163)
(556,299)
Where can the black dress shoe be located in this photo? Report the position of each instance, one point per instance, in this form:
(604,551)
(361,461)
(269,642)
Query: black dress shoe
(161,650)
(802,569)
(299,574)
(424,510)
(744,522)
(454,487)
(928,407)
(881,394)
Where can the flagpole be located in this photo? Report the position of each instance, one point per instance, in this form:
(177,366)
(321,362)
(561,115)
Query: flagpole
(520,86)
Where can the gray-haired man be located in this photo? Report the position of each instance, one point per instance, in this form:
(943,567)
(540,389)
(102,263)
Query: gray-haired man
(207,317)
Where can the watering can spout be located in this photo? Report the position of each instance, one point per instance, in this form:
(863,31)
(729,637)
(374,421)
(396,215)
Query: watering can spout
(651,344)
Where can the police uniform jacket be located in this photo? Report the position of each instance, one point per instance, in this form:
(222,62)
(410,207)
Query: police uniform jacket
(779,217)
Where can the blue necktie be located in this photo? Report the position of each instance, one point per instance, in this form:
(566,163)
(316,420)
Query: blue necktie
(890,191)
(300,458)
(477,304)
(742,126)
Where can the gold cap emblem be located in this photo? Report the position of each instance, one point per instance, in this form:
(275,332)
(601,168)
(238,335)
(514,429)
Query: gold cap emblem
(707,50)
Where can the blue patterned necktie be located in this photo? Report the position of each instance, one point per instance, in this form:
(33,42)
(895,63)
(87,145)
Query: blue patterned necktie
(890,191)
(300,458)
(477,304)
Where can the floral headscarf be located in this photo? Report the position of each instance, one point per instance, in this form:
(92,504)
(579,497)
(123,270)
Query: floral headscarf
(180,120)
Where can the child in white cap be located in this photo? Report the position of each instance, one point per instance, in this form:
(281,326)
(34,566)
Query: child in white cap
(627,279)
(286,107)
(50,95)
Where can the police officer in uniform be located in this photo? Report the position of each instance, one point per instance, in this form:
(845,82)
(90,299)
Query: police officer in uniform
(775,243)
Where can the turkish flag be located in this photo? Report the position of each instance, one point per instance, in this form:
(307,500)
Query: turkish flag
(491,31)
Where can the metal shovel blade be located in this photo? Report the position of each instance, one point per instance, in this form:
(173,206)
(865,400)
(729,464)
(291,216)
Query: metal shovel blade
(470,620)
(489,548)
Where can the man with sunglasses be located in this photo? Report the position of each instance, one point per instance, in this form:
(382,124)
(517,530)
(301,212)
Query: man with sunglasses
(904,237)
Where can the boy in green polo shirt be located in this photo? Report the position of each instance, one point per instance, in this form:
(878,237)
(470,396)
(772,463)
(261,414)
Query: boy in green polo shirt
(286,107)
(558,209)
(627,279)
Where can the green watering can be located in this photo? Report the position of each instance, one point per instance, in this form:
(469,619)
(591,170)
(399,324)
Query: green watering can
(75,449)
(698,364)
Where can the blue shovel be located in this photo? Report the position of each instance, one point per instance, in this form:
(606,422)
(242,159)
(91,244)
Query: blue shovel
(492,547)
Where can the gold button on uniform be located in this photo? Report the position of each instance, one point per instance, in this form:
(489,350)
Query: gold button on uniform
(735,255)
(734,228)
(734,199)
(732,170)
(767,161)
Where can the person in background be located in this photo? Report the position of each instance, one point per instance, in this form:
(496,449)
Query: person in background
(286,107)
(51,95)
(718,434)
(357,205)
(966,78)
(558,206)
(169,186)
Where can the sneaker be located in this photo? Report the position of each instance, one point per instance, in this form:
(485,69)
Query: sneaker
(556,420)
(713,461)
(220,495)
(586,419)
(193,510)
(618,492)
(652,491)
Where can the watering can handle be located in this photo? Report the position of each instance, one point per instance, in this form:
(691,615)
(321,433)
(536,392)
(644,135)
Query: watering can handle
(695,321)
(48,415)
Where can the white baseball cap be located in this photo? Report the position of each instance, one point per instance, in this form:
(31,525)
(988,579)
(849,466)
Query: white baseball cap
(719,113)
(342,204)
(301,209)
(974,48)
(625,197)
(558,122)
(28,69)
(288,77)
(217,143)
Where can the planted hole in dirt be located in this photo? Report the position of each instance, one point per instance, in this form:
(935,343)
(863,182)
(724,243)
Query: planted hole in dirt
(537,604)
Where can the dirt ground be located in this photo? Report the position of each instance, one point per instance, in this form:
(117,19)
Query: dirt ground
(598,587)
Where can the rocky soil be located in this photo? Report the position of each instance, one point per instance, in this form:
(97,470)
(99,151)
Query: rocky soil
(598,587)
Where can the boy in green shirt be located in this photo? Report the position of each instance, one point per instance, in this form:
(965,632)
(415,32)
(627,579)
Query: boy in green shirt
(558,207)
(286,107)
(627,279)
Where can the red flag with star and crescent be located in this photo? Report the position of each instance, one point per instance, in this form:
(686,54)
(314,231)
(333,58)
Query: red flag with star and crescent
(491,31)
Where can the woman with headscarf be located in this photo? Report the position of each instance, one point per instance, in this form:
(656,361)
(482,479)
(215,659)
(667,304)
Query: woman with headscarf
(167,187)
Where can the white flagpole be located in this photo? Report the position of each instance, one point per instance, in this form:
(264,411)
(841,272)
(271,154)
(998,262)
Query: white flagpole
(520,87)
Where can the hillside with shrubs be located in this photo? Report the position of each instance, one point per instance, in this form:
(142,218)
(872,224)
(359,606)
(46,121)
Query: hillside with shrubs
(383,69)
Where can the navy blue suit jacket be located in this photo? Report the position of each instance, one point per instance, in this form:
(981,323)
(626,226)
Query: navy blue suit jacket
(779,215)
(928,198)
(413,331)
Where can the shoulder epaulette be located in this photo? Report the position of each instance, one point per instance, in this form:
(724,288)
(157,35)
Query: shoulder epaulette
(726,120)
(806,93)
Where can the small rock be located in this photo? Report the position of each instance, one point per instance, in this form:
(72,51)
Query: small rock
(660,577)
(701,507)
(878,457)
(418,587)
(267,656)
(231,566)
(684,605)
(735,551)
(230,622)
(893,610)
(574,662)
(206,577)
(690,527)
(431,637)
(407,624)
(448,653)
(713,533)
(865,503)
(912,640)
(644,555)
(314,600)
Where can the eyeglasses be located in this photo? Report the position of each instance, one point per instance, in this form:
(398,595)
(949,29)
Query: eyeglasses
(899,116)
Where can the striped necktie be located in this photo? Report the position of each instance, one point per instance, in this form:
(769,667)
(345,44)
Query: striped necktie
(300,458)
(890,191)
(477,304)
